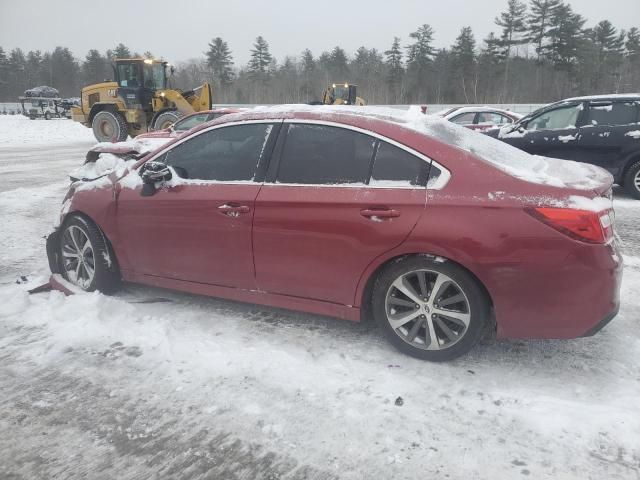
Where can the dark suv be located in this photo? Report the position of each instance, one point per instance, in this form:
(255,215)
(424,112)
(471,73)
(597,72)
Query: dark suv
(601,130)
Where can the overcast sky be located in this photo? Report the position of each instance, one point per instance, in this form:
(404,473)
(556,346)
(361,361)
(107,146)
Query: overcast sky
(178,30)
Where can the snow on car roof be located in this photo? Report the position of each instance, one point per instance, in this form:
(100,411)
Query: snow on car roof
(511,160)
(613,96)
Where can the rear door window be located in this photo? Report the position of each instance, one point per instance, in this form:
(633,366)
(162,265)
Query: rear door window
(395,167)
(612,113)
(325,155)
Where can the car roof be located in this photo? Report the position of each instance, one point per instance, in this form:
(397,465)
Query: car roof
(613,96)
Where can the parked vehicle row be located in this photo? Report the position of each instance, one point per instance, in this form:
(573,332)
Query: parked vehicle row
(356,214)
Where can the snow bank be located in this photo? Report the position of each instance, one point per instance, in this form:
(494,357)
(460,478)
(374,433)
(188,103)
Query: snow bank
(17,130)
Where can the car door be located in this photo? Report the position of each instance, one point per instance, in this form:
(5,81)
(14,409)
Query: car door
(326,211)
(551,133)
(607,137)
(197,227)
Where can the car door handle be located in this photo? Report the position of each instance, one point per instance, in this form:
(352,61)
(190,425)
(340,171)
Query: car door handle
(233,210)
(379,213)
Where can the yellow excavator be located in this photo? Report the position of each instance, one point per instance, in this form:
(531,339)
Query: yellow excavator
(138,100)
(341,94)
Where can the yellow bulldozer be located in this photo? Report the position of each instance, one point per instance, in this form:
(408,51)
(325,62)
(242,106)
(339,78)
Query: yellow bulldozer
(138,100)
(341,94)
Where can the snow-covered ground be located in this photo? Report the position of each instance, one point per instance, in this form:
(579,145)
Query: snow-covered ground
(157,384)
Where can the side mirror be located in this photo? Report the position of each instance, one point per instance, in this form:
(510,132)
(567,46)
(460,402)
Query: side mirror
(152,173)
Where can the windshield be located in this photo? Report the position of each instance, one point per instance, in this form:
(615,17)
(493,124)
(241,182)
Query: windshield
(134,75)
(154,76)
(341,92)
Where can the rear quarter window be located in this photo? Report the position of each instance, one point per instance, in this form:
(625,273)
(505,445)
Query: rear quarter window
(394,166)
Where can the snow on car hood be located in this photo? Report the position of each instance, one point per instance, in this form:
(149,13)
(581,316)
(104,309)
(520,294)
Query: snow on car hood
(109,157)
(139,145)
(104,165)
(517,163)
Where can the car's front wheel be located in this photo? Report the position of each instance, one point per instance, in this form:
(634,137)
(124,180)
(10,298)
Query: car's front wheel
(430,308)
(632,180)
(87,261)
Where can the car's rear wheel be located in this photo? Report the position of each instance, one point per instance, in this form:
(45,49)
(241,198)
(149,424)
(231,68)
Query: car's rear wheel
(430,309)
(109,126)
(632,180)
(87,261)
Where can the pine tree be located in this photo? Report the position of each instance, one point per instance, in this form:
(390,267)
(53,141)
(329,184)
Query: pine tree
(566,37)
(513,25)
(395,70)
(308,69)
(148,55)
(220,61)
(4,75)
(260,60)
(464,61)
(607,46)
(420,56)
(33,68)
(121,51)
(539,22)
(94,67)
(337,65)
(420,53)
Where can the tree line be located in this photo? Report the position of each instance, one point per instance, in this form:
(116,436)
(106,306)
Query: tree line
(541,51)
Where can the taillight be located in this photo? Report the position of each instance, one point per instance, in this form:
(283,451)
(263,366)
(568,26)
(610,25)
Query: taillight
(583,225)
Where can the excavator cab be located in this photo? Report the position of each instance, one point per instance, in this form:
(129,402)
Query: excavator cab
(138,80)
(341,94)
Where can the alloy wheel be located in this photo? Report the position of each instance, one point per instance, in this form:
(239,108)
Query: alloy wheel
(427,309)
(78,258)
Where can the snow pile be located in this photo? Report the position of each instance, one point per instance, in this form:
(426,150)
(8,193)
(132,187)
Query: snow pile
(515,162)
(104,165)
(140,145)
(19,130)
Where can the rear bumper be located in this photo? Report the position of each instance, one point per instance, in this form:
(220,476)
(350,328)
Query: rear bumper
(571,297)
(603,323)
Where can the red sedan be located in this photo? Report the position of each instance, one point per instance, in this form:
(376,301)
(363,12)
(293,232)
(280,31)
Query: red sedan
(439,233)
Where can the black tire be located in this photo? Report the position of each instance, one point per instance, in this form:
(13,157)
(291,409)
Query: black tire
(632,180)
(166,119)
(474,306)
(106,276)
(109,126)
(47,116)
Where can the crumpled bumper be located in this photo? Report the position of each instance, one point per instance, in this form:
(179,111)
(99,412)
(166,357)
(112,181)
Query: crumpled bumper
(53,252)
